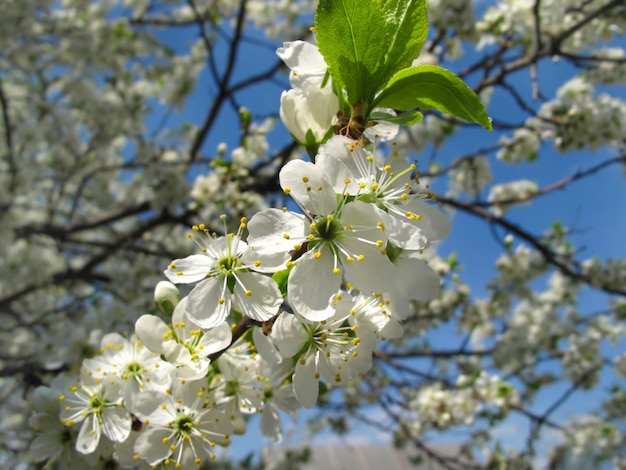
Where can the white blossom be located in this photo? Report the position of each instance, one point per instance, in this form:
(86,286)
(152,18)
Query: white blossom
(226,271)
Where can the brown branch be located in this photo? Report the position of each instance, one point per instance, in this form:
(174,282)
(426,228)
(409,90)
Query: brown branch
(8,138)
(545,251)
(555,186)
(222,86)
(555,46)
(240,329)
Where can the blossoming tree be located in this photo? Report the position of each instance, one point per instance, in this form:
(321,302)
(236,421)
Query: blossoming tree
(165,277)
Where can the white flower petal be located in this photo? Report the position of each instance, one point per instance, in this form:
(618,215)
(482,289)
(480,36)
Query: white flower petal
(338,164)
(270,424)
(392,330)
(180,312)
(374,273)
(216,339)
(305,385)
(302,57)
(215,425)
(312,283)
(265,347)
(116,423)
(289,334)
(209,302)
(382,131)
(190,269)
(276,231)
(312,110)
(416,279)
(266,262)
(148,405)
(89,435)
(152,445)
(257,296)
(236,418)
(176,353)
(150,330)
(194,370)
(434,223)
(45,446)
(308,185)
(402,233)
(364,218)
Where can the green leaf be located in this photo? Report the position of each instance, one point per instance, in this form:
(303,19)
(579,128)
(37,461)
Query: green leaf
(281,278)
(407,25)
(352,37)
(432,87)
(404,119)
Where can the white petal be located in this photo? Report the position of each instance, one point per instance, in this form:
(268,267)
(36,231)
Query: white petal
(116,423)
(113,339)
(216,339)
(416,279)
(88,436)
(308,185)
(289,334)
(236,419)
(265,347)
(270,424)
(45,400)
(266,262)
(302,57)
(305,385)
(402,233)
(291,114)
(285,400)
(150,330)
(194,370)
(276,231)
(382,131)
(215,425)
(434,223)
(148,405)
(45,446)
(176,353)
(313,110)
(338,164)
(392,330)
(264,297)
(374,273)
(208,303)
(312,283)
(364,218)
(193,268)
(180,311)
(152,445)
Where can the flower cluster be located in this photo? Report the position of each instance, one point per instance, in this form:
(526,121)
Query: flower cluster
(470,176)
(577,119)
(310,295)
(517,19)
(504,195)
(441,408)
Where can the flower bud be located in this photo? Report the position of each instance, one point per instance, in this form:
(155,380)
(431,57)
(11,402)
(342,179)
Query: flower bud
(309,111)
(166,297)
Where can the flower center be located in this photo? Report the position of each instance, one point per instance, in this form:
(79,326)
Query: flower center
(227,263)
(183,424)
(326,228)
(133,369)
(96,403)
